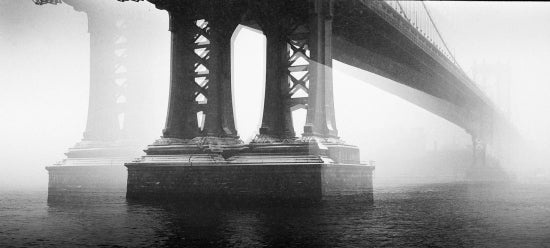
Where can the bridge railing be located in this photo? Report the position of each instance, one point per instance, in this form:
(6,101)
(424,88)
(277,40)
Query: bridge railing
(419,16)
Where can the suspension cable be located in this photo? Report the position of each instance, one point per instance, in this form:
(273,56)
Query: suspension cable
(437,31)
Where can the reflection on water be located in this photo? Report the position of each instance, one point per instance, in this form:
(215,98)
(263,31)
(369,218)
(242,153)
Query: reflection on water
(431,215)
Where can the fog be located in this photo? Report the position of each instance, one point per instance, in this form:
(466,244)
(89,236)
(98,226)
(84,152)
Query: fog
(44,79)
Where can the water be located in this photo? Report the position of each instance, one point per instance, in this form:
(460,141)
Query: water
(437,215)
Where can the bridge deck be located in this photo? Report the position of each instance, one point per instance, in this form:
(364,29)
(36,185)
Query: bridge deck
(372,36)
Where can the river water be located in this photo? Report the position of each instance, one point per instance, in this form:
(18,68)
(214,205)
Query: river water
(435,215)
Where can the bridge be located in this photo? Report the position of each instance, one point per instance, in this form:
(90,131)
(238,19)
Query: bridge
(395,40)
(400,41)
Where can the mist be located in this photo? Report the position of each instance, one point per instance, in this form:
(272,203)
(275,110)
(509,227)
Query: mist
(44,74)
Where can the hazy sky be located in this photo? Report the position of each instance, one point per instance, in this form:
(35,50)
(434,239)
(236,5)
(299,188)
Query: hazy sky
(44,68)
(509,32)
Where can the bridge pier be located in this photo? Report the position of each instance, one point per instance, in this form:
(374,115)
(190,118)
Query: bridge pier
(486,166)
(299,60)
(111,136)
(202,157)
(479,152)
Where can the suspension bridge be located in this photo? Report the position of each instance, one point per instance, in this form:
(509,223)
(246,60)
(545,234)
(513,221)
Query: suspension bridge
(398,40)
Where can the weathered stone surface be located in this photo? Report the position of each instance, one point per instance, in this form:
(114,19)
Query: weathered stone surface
(267,181)
(343,153)
(93,175)
(290,170)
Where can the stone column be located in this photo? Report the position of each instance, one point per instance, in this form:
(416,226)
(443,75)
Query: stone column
(200,110)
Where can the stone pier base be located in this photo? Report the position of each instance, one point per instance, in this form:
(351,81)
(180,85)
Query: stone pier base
(249,182)
(87,178)
(93,166)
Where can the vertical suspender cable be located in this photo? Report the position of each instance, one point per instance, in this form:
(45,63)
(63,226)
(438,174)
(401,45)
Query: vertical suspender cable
(437,31)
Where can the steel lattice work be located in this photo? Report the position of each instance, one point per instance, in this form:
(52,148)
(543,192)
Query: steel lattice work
(201,47)
(298,68)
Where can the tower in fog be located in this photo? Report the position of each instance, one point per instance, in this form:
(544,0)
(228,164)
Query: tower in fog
(495,80)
